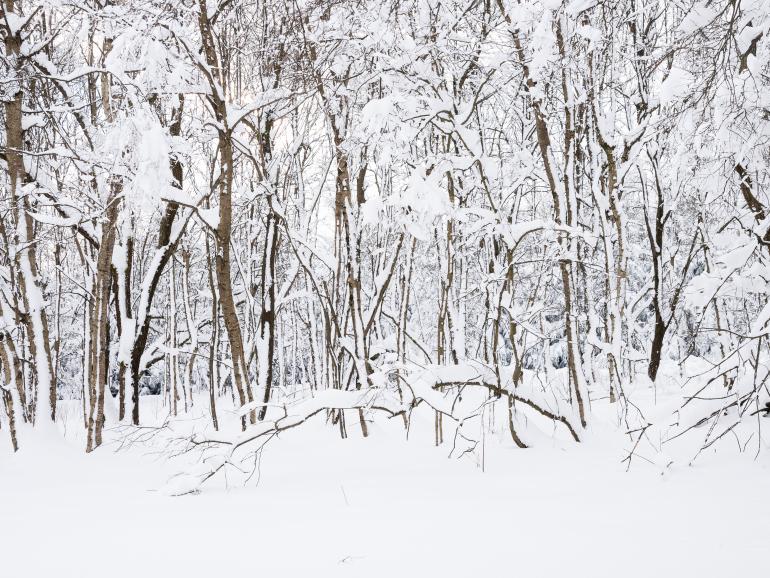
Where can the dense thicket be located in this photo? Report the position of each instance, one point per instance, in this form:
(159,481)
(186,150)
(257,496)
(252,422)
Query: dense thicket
(361,206)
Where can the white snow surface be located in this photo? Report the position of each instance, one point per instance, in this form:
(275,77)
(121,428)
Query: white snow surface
(383,506)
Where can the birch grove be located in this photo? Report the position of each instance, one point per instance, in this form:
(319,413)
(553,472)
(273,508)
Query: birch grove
(353,209)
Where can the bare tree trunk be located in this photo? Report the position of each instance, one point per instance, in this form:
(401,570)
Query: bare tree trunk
(655,237)
(124,312)
(100,322)
(10,374)
(213,73)
(214,341)
(267,316)
(172,357)
(192,329)
(167,242)
(29,282)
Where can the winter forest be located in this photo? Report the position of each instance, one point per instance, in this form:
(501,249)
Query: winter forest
(343,281)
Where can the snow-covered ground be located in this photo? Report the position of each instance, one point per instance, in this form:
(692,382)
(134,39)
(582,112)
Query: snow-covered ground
(383,506)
